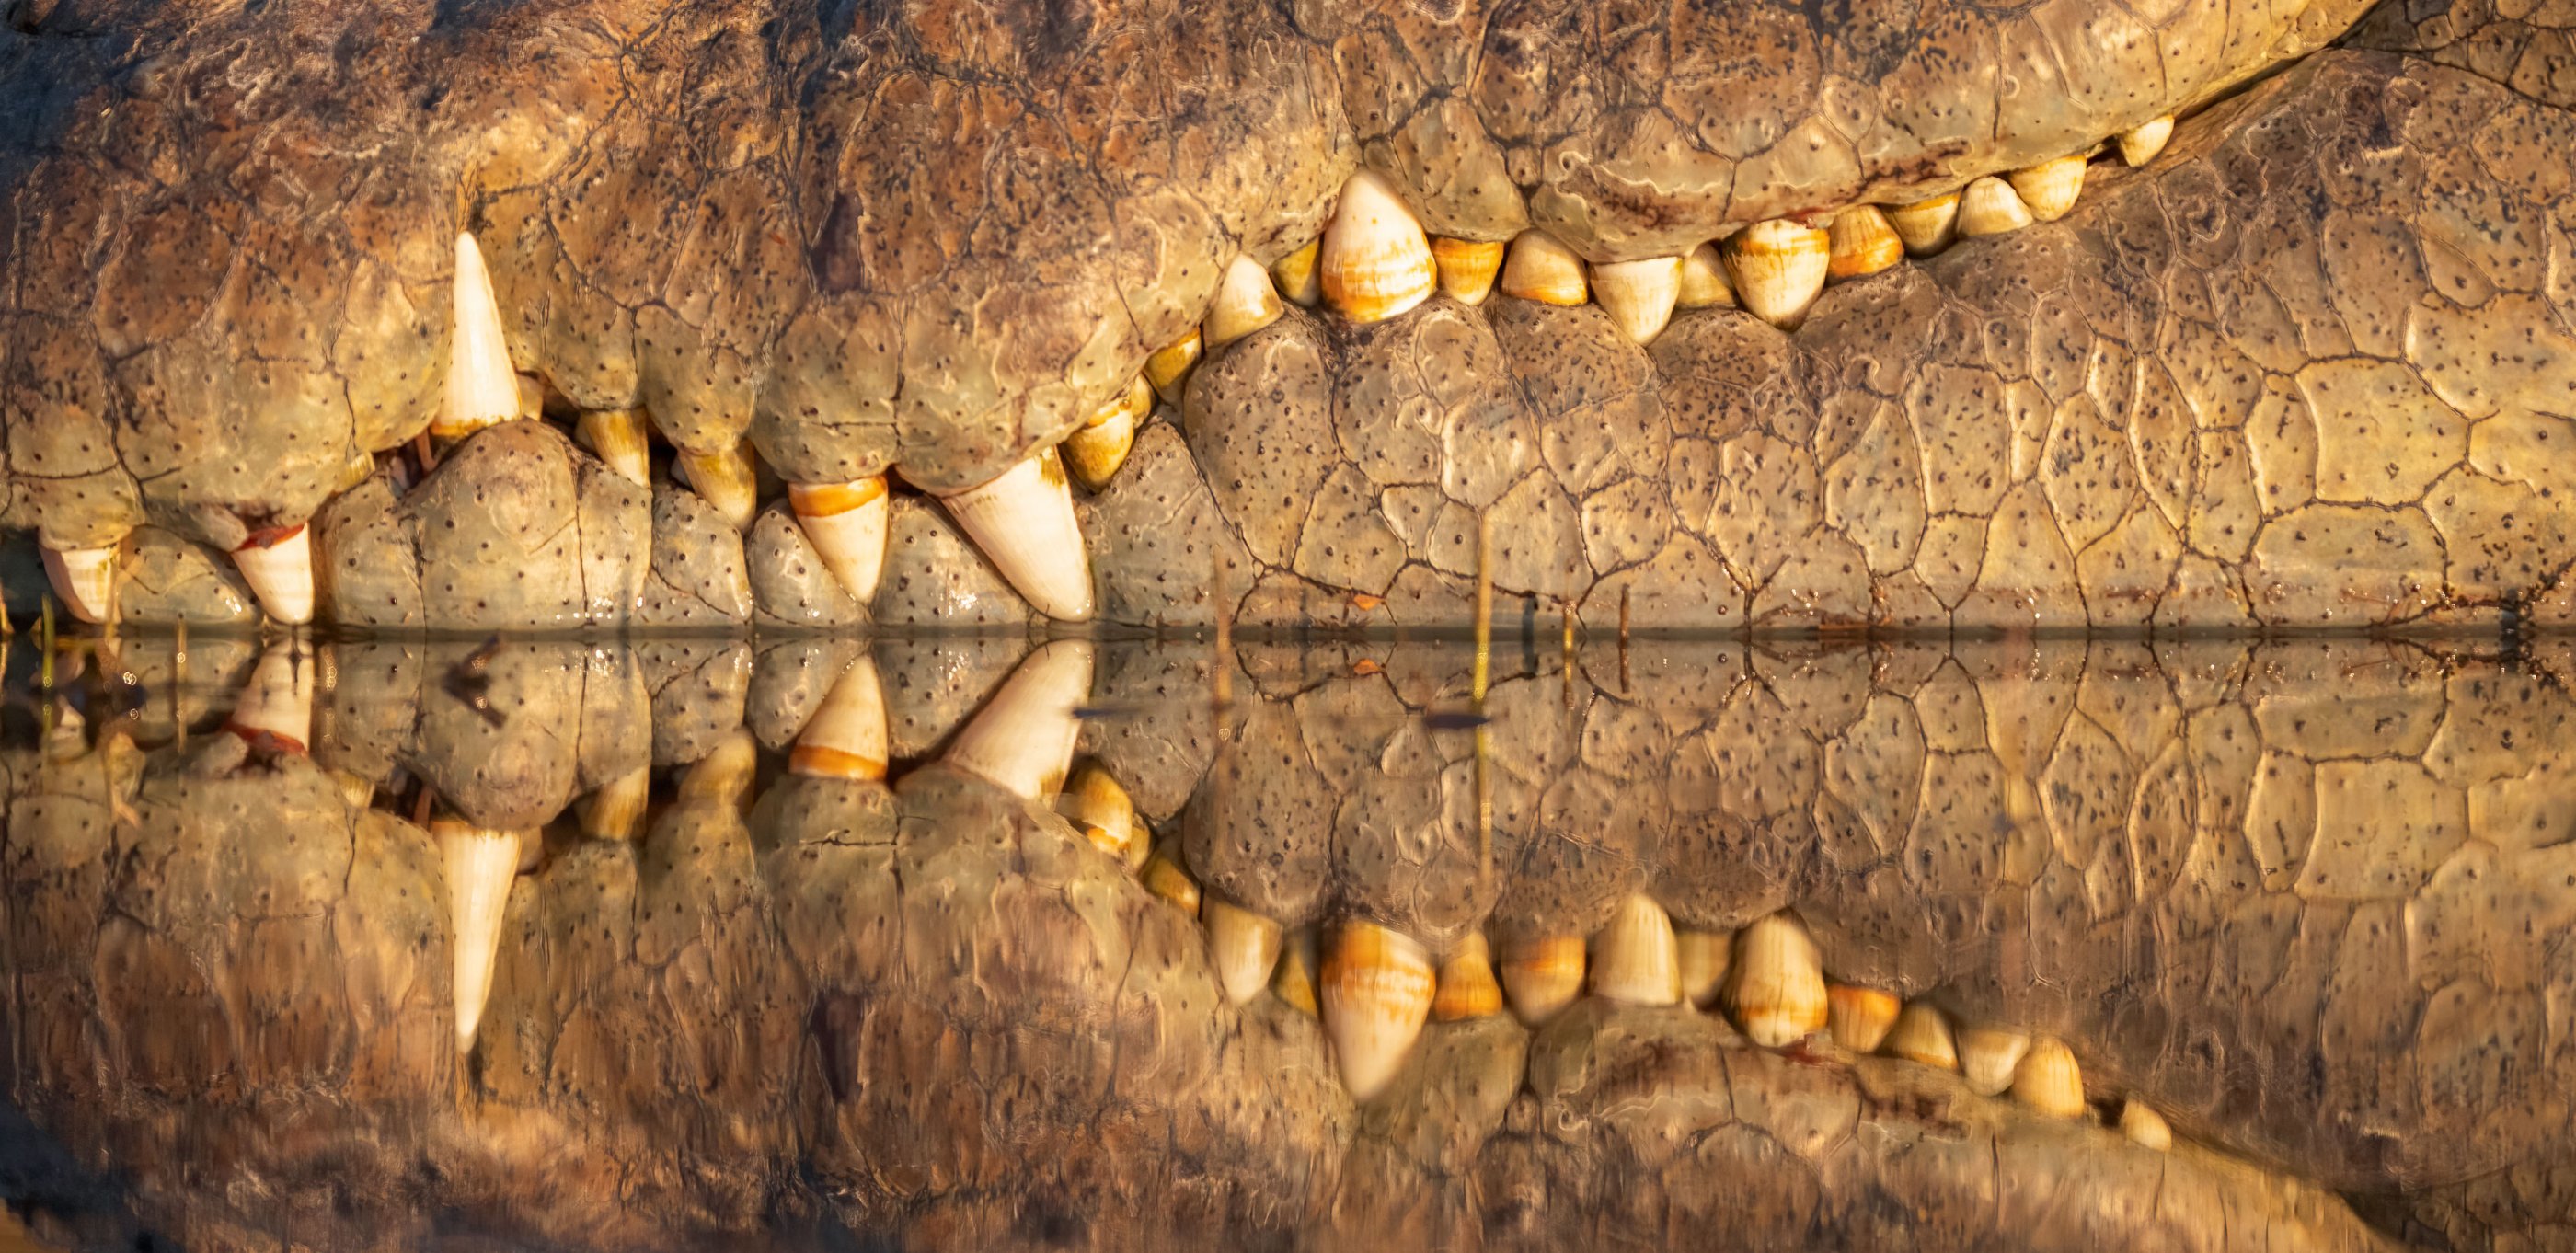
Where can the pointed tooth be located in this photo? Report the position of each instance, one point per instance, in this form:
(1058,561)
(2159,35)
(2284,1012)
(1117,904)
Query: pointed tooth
(276,709)
(1927,226)
(1467,988)
(1922,1036)
(481,865)
(84,580)
(723,478)
(1245,946)
(1777,986)
(615,810)
(1377,995)
(1543,975)
(1704,283)
(1293,982)
(1023,521)
(1101,810)
(278,565)
(1639,295)
(1988,1056)
(1541,268)
(356,790)
(2048,1079)
(482,388)
(2144,1125)
(1467,266)
(1376,262)
(2050,188)
(1862,242)
(1245,302)
(846,737)
(1168,370)
(724,774)
(1022,739)
(2137,147)
(1100,445)
(1861,1017)
(618,437)
(1167,878)
(846,524)
(532,397)
(1779,268)
(1705,955)
(1635,959)
(1298,278)
(1991,207)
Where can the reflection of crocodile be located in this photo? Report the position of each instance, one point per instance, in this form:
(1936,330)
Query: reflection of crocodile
(2309,904)
(2310,362)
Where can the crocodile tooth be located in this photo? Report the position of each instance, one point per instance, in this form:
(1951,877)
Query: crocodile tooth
(1245,946)
(275,711)
(2048,1079)
(1777,984)
(1168,369)
(1467,988)
(1299,280)
(1922,1036)
(532,397)
(617,437)
(1100,809)
(278,565)
(1703,283)
(1634,958)
(1704,957)
(1542,975)
(1293,982)
(2137,147)
(1991,207)
(846,523)
(1100,445)
(2144,1125)
(84,580)
(1860,1017)
(1376,261)
(1022,739)
(481,865)
(723,478)
(1927,226)
(724,774)
(2050,188)
(1639,295)
(1779,269)
(1467,267)
(1164,876)
(1861,242)
(1023,521)
(1376,996)
(1245,302)
(846,737)
(615,810)
(1988,1056)
(482,388)
(1541,268)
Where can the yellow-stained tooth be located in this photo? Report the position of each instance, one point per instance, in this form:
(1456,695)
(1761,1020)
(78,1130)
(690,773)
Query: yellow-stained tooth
(532,397)
(84,579)
(1022,739)
(1922,1036)
(1168,370)
(1639,295)
(1635,959)
(1467,988)
(723,478)
(2050,188)
(2144,1125)
(1297,276)
(846,524)
(1704,957)
(1164,876)
(1777,986)
(2048,1079)
(278,565)
(1542,975)
(1104,814)
(1988,1056)
(1991,207)
(1377,995)
(1467,267)
(276,710)
(1100,445)
(1862,242)
(1245,946)
(1861,1017)
(481,865)
(846,737)
(1704,283)
(2137,147)
(1927,226)
(1245,302)
(482,388)
(1023,521)
(615,810)
(1541,268)
(617,437)
(1779,268)
(1376,261)
(1293,982)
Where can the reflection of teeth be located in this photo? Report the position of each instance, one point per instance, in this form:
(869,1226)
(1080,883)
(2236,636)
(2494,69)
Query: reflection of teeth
(1166,878)
(1297,277)
(481,864)
(615,810)
(617,437)
(1927,226)
(1168,370)
(1704,284)
(1922,1036)
(1023,521)
(1245,946)
(1106,817)
(1639,295)
(1022,740)
(1991,207)
(1861,242)
(724,479)
(276,709)
(1634,959)
(1245,302)
(1704,957)
(1294,981)
(482,389)
(1860,1017)
(846,523)
(1988,1056)
(1542,976)
(1376,262)
(2049,189)
(1777,986)
(846,737)
(1542,269)
(1100,445)
(84,580)
(1467,988)
(2137,147)
(2049,1080)
(278,565)
(2141,1124)
(724,774)
(1467,267)
(1377,994)
(1779,269)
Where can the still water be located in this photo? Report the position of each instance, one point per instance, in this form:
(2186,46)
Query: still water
(976,942)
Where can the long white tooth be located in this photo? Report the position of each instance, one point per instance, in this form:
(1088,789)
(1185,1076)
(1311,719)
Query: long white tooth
(276,709)
(2144,1126)
(723,478)
(1927,226)
(481,864)
(1096,449)
(2050,188)
(1023,521)
(2049,1079)
(1022,739)
(84,580)
(615,810)
(1779,269)
(1246,947)
(2137,147)
(617,437)
(846,523)
(1704,281)
(1245,302)
(1988,1056)
(1376,262)
(1105,815)
(1540,267)
(1377,995)
(482,389)
(1777,984)
(1638,295)
(1991,207)
(1635,959)
(846,737)
(278,565)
